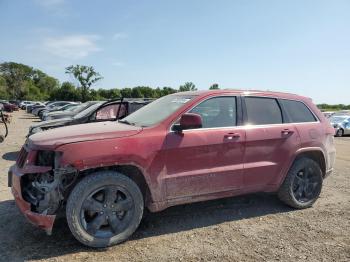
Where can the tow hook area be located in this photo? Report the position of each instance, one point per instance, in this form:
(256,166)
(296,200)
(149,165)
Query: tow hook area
(45,191)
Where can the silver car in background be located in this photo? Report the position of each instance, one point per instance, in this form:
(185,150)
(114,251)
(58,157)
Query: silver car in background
(341,124)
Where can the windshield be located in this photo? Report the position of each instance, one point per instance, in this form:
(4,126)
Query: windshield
(67,107)
(157,111)
(88,110)
(72,108)
(337,119)
(81,107)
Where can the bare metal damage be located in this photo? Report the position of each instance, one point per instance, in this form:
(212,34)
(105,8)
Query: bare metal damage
(45,192)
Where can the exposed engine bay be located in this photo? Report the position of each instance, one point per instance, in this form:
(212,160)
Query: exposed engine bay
(46,191)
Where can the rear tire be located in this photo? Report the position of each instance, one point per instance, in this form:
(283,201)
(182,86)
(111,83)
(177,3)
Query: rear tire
(104,209)
(302,185)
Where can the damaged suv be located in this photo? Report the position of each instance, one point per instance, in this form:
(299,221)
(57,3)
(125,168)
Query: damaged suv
(181,148)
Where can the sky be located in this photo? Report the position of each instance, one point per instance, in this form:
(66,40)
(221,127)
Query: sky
(297,46)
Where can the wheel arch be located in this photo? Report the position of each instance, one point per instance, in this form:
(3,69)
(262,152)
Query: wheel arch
(315,154)
(132,171)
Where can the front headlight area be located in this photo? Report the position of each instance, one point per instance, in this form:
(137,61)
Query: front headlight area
(48,158)
(45,158)
(46,190)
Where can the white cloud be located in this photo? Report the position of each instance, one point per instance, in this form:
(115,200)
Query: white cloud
(50,3)
(72,46)
(120,36)
(118,64)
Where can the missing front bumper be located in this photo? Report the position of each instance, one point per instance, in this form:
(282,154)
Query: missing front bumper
(42,221)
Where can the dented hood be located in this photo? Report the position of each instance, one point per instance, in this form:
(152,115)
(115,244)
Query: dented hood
(84,132)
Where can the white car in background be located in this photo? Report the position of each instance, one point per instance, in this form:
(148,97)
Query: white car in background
(341,124)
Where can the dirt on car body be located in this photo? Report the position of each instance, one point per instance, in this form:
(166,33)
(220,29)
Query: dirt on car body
(252,227)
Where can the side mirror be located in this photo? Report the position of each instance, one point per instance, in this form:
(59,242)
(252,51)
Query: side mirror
(188,121)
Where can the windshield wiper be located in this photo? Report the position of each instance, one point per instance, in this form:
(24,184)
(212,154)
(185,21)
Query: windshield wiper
(126,122)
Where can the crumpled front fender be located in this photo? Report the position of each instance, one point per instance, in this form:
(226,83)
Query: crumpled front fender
(42,221)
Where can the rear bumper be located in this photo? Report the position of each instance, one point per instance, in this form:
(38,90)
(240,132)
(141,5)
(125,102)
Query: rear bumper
(44,222)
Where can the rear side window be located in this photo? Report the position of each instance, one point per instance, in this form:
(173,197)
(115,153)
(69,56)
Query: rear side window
(297,111)
(263,111)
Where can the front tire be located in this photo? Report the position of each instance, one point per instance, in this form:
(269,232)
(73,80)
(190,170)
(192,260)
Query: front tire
(302,185)
(104,209)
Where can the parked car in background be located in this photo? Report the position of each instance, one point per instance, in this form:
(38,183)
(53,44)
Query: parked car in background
(24,104)
(51,106)
(30,107)
(341,124)
(328,114)
(66,108)
(68,111)
(342,112)
(15,102)
(181,148)
(9,107)
(96,112)
(39,106)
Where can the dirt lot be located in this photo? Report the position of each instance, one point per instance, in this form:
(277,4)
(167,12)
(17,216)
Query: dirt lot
(250,228)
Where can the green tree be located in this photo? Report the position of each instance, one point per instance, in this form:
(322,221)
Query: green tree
(15,74)
(188,86)
(46,83)
(114,93)
(136,92)
(126,92)
(4,94)
(214,87)
(67,92)
(165,91)
(147,91)
(86,76)
(30,91)
(108,94)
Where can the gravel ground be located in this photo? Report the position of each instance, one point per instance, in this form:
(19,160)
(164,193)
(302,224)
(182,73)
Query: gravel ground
(250,228)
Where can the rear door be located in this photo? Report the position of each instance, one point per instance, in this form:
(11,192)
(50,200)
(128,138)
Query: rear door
(209,159)
(270,142)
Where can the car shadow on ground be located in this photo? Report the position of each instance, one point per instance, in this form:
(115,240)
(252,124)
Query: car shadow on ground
(30,118)
(10,156)
(25,242)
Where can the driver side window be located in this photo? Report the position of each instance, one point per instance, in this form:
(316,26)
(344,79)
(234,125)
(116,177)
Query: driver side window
(217,112)
(109,112)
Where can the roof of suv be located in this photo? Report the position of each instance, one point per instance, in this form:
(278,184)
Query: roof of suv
(247,92)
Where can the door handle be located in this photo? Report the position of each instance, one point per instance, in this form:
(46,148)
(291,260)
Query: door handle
(286,132)
(231,136)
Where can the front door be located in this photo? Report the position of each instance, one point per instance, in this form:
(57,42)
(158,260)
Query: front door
(208,159)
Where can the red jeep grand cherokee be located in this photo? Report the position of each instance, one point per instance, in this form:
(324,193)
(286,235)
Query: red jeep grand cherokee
(182,148)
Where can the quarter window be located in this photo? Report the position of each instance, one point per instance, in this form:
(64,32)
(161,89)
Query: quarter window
(217,112)
(263,111)
(297,111)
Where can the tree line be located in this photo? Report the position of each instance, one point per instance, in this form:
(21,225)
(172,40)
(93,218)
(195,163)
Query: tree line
(337,107)
(23,82)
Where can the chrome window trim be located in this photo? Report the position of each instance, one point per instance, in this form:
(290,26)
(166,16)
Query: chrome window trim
(315,116)
(247,126)
(207,128)
(278,98)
